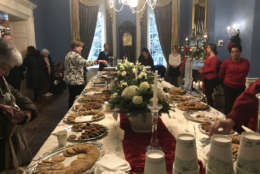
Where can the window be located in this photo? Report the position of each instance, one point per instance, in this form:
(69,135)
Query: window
(154,45)
(99,38)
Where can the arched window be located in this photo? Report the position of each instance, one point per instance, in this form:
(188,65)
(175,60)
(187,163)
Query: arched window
(99,37)
(154,45)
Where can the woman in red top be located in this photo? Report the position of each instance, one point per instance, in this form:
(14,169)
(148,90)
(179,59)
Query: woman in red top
(233,72)
(209,72)
(244,111)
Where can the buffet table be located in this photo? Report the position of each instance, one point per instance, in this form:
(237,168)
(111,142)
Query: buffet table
(175,122)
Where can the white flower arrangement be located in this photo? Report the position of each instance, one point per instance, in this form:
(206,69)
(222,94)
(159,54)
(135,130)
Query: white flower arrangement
(132,88)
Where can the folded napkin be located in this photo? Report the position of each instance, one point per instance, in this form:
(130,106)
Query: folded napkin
(110,163)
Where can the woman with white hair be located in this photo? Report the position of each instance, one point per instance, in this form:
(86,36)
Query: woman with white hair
(15,110)
(45,54)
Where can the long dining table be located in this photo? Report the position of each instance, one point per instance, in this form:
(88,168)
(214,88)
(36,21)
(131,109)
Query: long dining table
(175,122)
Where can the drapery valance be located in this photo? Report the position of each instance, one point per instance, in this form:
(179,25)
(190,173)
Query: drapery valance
(163,3)
(91,3)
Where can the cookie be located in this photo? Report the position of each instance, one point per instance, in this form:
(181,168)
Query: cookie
(58,158)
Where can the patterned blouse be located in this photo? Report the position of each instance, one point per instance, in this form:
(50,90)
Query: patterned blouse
(75,66)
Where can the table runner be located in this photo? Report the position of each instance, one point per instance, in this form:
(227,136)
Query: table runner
(135,144)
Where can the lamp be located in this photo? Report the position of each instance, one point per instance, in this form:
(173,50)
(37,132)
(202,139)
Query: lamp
(233,30)
(132,4)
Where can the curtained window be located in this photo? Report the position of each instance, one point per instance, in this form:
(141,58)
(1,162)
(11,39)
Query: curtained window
(99,37)
(154,45)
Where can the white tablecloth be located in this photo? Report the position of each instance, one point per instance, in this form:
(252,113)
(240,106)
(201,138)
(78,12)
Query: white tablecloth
(112,143)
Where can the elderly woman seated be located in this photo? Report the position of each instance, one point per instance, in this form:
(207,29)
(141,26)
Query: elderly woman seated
(15,110)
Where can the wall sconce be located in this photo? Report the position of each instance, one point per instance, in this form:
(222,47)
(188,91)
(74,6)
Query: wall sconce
(233,30)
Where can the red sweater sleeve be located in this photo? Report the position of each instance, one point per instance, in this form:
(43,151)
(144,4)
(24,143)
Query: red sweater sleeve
(246,106)
(211,66)
(222,70)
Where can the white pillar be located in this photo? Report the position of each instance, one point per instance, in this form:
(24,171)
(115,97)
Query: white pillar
(114,34)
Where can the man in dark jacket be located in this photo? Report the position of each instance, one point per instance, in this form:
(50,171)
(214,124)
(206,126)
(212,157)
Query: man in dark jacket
(104,55)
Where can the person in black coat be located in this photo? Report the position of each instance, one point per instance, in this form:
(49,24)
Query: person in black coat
(35,76)
(104,55)
(146,58)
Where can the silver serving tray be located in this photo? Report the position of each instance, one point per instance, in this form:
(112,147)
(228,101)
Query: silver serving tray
(32,167)
(90,121)
(85,140)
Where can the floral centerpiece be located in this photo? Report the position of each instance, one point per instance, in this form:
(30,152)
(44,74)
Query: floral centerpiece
(133,91)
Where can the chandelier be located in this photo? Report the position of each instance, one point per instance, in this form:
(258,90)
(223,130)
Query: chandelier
(118,5)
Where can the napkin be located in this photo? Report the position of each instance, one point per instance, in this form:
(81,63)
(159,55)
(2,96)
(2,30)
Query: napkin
(110,163)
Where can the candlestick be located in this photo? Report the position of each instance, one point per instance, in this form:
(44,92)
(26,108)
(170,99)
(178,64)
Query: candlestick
(258,118)
(155,89)
(154,143)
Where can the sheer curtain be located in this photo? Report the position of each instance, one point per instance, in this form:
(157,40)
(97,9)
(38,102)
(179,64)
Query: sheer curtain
(163,19)
(87,26)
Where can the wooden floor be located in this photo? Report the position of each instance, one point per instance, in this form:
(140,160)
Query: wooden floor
(51,111)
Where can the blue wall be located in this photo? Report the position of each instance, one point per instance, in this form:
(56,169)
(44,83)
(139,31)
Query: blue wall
(255,60)
(222,13)
(52,26)
(185,19)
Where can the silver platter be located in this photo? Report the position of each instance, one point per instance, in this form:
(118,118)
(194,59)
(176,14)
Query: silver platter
(32,167)
(85,140)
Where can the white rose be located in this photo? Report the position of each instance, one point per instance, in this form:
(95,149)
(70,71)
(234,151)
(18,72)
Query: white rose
(123,73)
(144,86)
(137,100)
(114,95)
(134,70)
(129,91)
(124,84)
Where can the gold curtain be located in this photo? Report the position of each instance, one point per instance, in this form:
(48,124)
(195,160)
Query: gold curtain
(74,6)
(175,18)
(175,22)
(162,3)
(91,2)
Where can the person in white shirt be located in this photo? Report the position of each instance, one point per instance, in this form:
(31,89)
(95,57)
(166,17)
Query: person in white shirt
(174,64)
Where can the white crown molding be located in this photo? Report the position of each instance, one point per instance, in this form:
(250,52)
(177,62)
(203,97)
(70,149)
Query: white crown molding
(26,3)
(19,8)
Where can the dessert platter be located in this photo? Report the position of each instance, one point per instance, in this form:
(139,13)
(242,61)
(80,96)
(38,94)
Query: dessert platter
(82,107)
(203,116)
(84,116)
(205,128)
(83,132)
(176,91)
(192,105)
(73,159)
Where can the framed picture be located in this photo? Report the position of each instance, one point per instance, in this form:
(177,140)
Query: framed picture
(127,39)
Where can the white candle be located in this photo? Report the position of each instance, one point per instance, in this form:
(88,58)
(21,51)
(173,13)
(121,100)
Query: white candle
(155,90)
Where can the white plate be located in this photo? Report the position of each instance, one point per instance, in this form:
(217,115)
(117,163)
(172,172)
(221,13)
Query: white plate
(210,116)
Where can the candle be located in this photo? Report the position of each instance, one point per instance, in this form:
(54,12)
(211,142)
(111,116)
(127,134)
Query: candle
(155,90)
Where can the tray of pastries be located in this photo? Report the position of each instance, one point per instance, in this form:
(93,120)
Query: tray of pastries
(86,106)
(84,116)
(180,98)
(205,129)
(74,159)
(176,91)
(203,116)
(90,98)
(83,132)
(192,105)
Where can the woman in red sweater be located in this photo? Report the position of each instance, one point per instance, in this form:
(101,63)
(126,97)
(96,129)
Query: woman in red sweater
(233,72)
(244,111)
(209,72)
